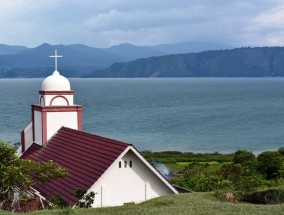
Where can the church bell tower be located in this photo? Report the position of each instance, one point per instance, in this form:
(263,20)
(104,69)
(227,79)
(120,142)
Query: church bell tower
(55,109)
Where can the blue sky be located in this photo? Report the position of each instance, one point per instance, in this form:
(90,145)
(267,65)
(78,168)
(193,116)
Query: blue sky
(145,22)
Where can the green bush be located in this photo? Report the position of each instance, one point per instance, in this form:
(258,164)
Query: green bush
(270,164)
(203,183)
(249,182)
(246,159)
(58,202)
(271,196)
(232,172)
(281,150)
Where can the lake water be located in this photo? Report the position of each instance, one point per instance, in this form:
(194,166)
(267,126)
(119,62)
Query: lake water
(185,114)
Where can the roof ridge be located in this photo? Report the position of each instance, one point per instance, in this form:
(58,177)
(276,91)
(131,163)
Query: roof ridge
(94,135)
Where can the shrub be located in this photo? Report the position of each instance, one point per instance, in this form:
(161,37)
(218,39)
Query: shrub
(58,202)
(232,172)
(271,196)
(203,183)
(270,164)
(246,159)
(249,182)
(281,150)
(85,200)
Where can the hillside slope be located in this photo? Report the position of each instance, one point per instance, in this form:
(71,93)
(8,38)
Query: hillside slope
(189,47)
(8,49)
(240,62)
(77,60)
(191,203)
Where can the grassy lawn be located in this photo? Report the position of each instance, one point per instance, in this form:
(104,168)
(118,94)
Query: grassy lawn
(191,203)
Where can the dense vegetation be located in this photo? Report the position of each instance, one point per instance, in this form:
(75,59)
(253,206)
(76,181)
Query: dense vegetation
(168,157)
(239,62)
(191,203)
(236,177)
(17,175)
(259,179)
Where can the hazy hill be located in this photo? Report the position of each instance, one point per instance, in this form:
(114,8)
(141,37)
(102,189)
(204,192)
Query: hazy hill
(7,49)
(79,60)
(73,55)
(240,62)
(132,52)
(189,47)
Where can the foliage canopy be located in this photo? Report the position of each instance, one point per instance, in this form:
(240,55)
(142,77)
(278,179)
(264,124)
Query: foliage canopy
(19,175)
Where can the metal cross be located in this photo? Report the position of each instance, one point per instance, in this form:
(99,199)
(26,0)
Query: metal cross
(55,57)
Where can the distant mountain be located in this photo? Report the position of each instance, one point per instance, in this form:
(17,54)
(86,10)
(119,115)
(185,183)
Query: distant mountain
(77,60)
(189,47)
(7,49)
(239,62)
(130,52)
(81,60)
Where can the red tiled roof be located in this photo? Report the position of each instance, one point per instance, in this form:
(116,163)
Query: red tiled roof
(85,156)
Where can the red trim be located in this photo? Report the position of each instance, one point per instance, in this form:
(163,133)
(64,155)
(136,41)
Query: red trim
(57,108)
(68,92)
(33,122)
(59,97)
(79,115)
(45,109)
(23,141)
(44,128)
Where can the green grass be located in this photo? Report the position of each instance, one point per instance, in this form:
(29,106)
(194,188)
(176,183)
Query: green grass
(177,166)
(191,203)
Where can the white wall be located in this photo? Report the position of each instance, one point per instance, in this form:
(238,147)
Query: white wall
(28,132)
(56,120)
(122,185)
(38,127)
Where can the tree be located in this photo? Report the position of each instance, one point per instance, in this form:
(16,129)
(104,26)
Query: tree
(270,164)
(246,159)
(281,150)
(19,175)
(232,172)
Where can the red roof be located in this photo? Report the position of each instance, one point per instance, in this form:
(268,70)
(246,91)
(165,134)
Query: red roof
(85,156)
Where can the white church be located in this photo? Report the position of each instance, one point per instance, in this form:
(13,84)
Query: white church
(114,170)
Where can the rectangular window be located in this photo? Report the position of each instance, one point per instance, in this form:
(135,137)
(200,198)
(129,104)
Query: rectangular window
(125,164)
(130,164)
(119,164)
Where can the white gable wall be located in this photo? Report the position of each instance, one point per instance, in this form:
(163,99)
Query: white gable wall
(123,185)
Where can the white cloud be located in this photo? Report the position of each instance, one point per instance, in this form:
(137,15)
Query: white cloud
(266,28)
(103,23)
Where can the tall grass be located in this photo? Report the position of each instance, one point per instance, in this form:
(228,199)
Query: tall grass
(191,203)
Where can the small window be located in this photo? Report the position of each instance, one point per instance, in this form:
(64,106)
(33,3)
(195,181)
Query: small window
(125,164)
(119,164)
(130,164)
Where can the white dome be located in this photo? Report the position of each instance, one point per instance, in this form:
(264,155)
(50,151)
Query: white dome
(55,82)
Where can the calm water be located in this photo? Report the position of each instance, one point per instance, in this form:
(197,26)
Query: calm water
(192,114)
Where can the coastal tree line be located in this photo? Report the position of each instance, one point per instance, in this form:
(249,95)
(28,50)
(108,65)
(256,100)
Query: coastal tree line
(243,174)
